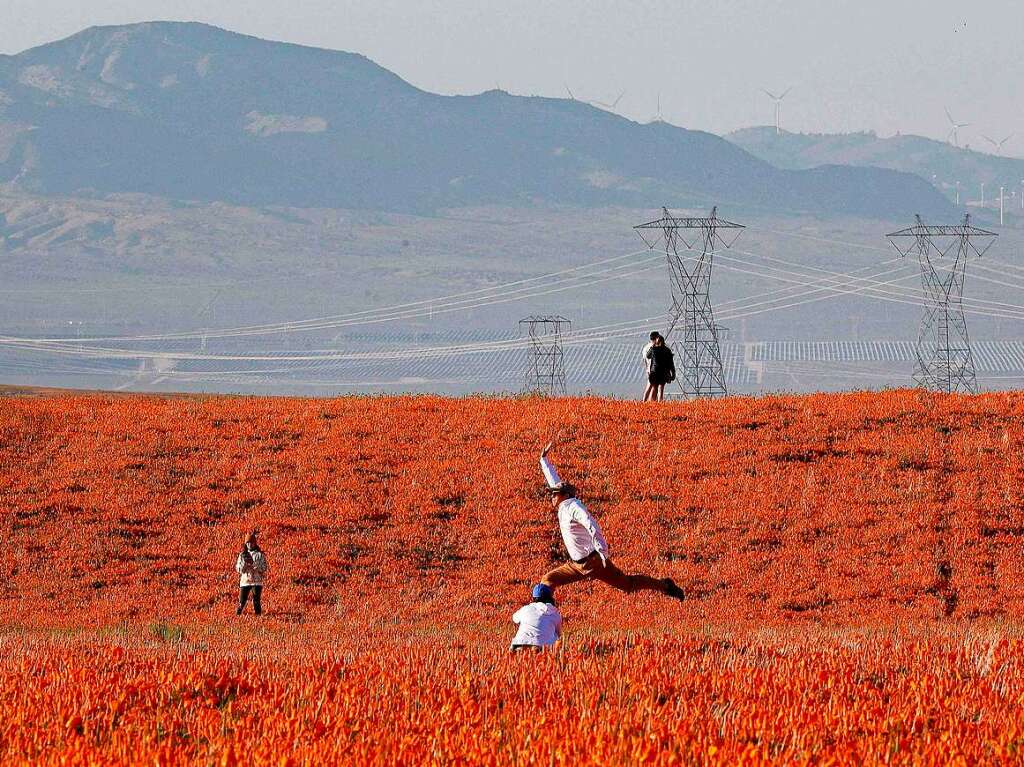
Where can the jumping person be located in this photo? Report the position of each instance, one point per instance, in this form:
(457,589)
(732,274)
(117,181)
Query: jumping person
(251,566)
(587,548)
(661,368)
(540,623)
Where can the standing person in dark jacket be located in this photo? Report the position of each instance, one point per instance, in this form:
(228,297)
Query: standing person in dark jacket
(251,567)
(661,368)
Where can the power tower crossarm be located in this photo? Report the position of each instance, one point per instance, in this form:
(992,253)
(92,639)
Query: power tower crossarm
(945,360)
(653,231)
(690,282)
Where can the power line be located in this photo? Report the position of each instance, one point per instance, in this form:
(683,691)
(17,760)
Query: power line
(412,310)
(740,308)
(1001,306)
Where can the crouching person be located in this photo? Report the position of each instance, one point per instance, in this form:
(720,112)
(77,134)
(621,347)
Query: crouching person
(252,567)
(540,623)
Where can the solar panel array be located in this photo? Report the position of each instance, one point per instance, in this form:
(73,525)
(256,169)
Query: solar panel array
(611,365)
(989,356)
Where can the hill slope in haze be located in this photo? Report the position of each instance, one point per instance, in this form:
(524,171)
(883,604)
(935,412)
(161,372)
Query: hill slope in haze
(189,111)
(935,161)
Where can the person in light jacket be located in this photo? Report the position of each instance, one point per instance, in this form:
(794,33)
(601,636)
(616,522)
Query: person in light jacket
(252,567)
(539,622)
(587,548)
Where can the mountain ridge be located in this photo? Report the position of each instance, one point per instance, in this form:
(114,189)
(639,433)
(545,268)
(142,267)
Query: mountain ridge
(937,162)
(185,110)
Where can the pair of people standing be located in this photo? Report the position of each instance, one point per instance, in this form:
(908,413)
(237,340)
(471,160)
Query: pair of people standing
(660,365)
(541,626)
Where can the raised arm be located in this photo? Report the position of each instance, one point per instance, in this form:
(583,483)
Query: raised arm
(550,473)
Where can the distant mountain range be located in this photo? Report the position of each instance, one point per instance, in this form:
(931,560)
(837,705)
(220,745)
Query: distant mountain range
(935,161)
(188,111)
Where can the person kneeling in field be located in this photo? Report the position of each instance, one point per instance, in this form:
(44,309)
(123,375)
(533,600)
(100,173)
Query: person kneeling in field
(251,566)
(587,548)
(540,623)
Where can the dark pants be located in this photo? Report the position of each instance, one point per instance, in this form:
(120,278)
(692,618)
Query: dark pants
(243,597)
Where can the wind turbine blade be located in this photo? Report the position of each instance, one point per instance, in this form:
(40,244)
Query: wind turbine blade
(951,120)
(616,102)
(1006,139)
(992,141)
(785,93)
(569,92)
(771,95)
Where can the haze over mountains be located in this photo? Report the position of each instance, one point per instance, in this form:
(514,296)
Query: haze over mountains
(188,111)
(937,161)
(170,178)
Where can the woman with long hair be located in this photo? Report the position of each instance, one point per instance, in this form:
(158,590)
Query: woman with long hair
(251,567)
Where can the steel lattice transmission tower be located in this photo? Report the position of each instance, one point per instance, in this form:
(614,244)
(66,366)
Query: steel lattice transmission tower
(944,359)
(690,275)
(545,363)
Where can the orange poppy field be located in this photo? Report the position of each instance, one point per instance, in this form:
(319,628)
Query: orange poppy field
(852,564)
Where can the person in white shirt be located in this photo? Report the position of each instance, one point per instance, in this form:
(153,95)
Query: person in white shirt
(251,566)
(587,548)
(540,623)
(651,388)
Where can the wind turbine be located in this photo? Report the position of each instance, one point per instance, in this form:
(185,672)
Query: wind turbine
(997,145)
(778,105)
(594,103)
(954,127)
(609,107)
(657,117)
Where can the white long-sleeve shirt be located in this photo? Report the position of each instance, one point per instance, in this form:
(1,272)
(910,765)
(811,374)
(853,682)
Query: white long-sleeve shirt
(580,531)
(540,624)
(645,358)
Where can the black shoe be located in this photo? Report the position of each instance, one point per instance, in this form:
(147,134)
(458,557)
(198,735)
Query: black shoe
(672,590)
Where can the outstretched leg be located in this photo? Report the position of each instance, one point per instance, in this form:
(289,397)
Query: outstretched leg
(563,575)
(614,577)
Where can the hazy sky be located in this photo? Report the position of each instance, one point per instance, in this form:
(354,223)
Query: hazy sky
(886,65)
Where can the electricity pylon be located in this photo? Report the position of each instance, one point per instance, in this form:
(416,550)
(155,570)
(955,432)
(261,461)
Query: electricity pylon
(690,281)
(945,362)
(545,363)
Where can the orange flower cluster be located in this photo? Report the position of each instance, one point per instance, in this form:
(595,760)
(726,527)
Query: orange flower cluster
(836,697)
(852,564)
